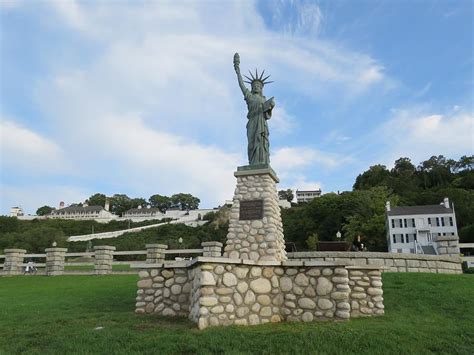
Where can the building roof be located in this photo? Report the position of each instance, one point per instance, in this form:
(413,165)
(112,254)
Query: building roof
(429,209)
(78,209)
(143,210)
(303,191)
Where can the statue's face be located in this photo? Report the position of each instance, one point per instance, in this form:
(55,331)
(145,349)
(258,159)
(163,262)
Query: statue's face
(257,87)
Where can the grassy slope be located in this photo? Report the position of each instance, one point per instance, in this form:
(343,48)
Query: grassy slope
(424,313)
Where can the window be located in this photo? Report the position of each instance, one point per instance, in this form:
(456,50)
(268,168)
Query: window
(405,222)
(442,221)
(437,221)
(451,221)
(394,238)
(414,237)
(403,241)
(393,222)
(429,220)
(407,236)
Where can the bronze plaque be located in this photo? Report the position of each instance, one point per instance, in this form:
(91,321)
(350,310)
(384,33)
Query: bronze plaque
(251,210)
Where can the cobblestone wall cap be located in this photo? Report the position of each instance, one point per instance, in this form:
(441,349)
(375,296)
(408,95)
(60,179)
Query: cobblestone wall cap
(104,247)
(212,244)
(156,246)
(15,251)
(63,250)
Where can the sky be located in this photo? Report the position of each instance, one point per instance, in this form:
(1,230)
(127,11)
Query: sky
(141,97)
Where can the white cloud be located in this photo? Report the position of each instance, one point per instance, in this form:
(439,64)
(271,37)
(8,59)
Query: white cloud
(156,108)
(25,150)
(419,135)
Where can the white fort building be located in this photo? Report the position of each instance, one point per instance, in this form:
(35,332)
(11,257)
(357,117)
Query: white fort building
(417,229)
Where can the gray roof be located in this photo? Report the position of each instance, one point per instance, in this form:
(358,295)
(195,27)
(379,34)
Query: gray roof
(429,209)
(78,209)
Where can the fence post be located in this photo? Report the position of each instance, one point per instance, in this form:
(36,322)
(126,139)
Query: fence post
(155,253)
(55,258)
(103,258)
(13,260)
(211,249)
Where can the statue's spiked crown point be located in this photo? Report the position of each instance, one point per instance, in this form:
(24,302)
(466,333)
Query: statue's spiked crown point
(258,78)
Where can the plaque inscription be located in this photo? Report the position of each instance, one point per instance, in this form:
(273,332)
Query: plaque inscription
(251,210)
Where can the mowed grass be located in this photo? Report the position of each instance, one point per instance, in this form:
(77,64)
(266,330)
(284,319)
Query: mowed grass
(425,313)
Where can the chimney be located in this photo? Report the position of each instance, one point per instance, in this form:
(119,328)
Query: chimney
(387,206)
(446,202)
(107,204)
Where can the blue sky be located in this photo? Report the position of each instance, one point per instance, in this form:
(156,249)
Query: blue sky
(141,97)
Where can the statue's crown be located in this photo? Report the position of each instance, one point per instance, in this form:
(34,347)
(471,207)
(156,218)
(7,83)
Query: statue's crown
(258,78)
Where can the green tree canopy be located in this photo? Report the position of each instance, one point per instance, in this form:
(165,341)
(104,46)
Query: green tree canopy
(286,195)
(160,201)
(97,199)
(185,201)
(44,210)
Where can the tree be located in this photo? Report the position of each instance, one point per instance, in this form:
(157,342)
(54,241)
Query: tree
(377,175)
(286,195)
(97,199)
(137,202)
(160,202)
(185,201)
(44,210)
(312,241)
(120,203)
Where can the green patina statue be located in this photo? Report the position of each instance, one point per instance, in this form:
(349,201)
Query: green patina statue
(259,111)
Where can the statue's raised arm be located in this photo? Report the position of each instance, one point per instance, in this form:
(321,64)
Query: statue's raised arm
(259,111)
(237,71)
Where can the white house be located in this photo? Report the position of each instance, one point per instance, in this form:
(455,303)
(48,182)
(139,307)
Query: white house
(144,213)
(97,213)
(306,196)
(415,229)
(16,212)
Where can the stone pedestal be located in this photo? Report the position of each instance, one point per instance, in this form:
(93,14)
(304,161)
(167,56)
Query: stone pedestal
(212,249)
(255,226)
(55,258)
(13,260)
(104,256)
(155,253)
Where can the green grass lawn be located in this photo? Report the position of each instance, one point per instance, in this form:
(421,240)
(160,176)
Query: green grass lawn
(425,313)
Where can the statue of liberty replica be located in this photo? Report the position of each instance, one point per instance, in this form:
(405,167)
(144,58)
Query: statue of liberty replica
(255,227)
(259,111)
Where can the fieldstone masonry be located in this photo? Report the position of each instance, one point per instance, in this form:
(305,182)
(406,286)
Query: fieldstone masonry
(221,292)
(257,239)
(155,253)
(211,249)
(13,261)
(103,256)
(55,258)
(254,283)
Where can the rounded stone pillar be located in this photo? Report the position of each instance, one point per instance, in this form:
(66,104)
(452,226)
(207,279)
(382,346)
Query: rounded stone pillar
(103,258)
(155,253)
(55,258)
(13,260)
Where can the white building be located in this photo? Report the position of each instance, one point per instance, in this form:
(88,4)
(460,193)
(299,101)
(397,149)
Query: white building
(97,213)
(144,213)
(306,196)
(414,229)
(16,212)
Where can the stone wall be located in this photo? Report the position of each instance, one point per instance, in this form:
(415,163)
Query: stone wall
(447,245)
(221,291)
(390,262)
(257,239)
(366,292)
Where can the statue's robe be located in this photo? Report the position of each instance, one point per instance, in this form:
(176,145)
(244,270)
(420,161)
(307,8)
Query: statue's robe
(257,128)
